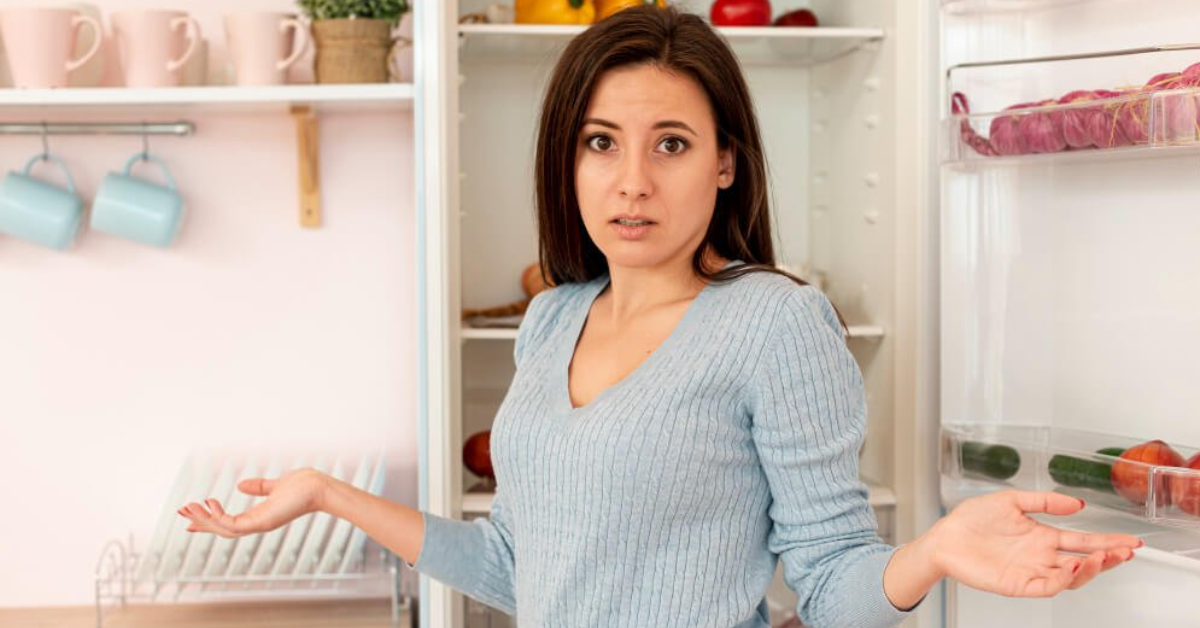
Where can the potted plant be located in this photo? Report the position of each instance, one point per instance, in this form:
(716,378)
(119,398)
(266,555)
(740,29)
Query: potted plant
(353,38)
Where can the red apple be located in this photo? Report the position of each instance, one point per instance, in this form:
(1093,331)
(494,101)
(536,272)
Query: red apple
(477,454)
(1185,491)
(1131,480)
(741,13)
(799,17)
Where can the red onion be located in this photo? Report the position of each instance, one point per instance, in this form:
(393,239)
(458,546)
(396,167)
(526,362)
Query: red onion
(1164,80)
(1192,74)
(1133,116)
(1073,120)
(1102,123)
(1004,132)
(1038,131)
(959,106)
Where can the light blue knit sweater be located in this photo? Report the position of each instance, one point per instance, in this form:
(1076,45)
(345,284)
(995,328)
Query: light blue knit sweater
(667,500)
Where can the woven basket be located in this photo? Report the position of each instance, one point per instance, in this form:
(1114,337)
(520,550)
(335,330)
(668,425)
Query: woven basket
(352,51)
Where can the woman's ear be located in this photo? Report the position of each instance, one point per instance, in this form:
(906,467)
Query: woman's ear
(725,167)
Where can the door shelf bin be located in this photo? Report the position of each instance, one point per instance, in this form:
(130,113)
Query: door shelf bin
(977,458)
(1126,122)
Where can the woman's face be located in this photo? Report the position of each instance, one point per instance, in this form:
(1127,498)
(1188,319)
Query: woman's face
(648,167)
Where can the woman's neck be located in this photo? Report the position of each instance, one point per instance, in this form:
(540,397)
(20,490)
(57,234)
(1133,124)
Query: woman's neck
(632,291)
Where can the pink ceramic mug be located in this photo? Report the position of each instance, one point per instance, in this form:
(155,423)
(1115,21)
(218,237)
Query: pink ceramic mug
(39,44)
(259,43)
(154,45)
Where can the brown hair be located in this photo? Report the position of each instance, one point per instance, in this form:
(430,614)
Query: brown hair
(678,42)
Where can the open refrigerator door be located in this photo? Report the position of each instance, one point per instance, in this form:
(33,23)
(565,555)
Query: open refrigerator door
(1070,315)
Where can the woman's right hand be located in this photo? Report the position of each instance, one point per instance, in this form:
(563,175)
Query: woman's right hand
(292,495)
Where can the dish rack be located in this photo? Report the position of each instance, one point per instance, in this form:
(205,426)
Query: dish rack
(313,556)
(115,586)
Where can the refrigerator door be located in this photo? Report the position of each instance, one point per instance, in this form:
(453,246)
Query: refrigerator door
(1070,306)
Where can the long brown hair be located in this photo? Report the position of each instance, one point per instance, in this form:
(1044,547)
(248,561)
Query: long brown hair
(678,42)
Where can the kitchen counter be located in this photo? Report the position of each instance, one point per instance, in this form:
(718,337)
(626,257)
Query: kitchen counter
(373,613)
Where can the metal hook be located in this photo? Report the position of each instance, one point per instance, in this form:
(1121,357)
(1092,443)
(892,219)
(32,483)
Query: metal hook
(45,143)
(145,142)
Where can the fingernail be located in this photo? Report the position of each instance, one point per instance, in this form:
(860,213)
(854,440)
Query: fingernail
(1075,570)
(1081,503)
(1141,543)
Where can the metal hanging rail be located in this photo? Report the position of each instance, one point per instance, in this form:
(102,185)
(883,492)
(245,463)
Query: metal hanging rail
(178,128)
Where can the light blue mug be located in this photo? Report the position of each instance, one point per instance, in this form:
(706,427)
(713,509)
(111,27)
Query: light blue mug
(40,212)
(137,209)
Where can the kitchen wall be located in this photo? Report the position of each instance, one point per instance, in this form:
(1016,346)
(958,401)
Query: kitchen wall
(250,334)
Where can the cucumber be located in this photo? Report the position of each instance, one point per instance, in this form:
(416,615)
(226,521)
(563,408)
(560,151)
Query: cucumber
(998,462)
(1071,471)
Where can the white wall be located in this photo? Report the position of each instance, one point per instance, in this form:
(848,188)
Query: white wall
(251,333)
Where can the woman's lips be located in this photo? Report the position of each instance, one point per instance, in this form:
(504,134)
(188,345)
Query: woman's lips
(631,233)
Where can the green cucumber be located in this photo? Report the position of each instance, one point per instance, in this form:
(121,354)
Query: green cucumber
(1071,471)
(998,462)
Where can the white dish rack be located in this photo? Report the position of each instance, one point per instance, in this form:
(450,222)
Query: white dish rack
(331,560)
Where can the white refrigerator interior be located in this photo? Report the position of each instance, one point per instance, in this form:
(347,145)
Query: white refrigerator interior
(1070,313)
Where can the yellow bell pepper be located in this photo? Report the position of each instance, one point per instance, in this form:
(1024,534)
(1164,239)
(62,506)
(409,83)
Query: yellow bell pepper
(555,12)
(605,8)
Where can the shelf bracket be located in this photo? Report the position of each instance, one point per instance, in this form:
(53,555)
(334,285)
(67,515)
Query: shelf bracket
(308,151)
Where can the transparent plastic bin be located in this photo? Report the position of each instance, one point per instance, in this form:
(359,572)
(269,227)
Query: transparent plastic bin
(977,458)
(1161,119)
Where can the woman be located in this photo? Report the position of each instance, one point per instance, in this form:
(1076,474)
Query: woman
(682,415)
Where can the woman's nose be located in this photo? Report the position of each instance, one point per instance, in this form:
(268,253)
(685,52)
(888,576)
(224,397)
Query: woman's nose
(635,182)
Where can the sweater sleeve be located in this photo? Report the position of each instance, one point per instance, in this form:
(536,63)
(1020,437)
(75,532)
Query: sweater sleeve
(475,557)
(808,423)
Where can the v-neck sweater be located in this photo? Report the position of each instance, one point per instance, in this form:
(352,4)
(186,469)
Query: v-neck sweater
(667,500)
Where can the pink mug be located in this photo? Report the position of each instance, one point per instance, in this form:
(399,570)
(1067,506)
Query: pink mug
(154,45)
(259,44)
(39,44)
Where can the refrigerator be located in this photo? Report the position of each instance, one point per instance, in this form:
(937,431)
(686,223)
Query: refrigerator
(1011,306)
(1069,301)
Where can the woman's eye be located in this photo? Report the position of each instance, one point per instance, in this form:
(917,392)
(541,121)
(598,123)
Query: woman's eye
(601,143)
(672,145)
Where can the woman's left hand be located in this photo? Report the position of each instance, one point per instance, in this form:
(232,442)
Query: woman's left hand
(989,543)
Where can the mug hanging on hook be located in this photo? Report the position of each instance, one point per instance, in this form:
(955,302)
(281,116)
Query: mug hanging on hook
(38,211)
(138,209)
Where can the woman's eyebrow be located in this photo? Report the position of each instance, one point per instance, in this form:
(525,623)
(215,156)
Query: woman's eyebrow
(662,124)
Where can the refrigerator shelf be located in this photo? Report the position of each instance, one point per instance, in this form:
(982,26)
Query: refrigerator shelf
(978,458)
(1130,125)
(963,7)
(480,502)
(764,45)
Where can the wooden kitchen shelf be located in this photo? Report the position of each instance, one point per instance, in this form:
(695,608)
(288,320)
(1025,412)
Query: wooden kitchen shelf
(226,98)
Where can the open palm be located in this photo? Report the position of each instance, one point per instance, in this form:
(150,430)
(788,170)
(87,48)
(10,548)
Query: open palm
(990,543)
(293,494)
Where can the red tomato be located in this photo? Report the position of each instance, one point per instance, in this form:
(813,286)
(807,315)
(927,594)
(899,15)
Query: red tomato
(1185,492)
(741,13)
(799,17)
(1131,480)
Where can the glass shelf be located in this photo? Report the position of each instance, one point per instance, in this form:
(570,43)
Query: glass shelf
(480,503)
(863,332)
(766,44)
(978,458)
(1130,124)
(961,7)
